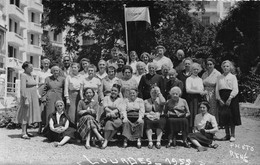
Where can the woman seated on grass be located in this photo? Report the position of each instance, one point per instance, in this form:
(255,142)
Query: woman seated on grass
(87,110)
(205,126)
(58,129)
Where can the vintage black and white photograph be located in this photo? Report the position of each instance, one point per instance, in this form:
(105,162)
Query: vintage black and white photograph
(86,82)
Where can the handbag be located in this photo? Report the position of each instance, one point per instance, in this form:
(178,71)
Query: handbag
(208,125)
(177,113)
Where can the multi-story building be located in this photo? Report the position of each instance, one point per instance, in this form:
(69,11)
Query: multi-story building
(22,19)
(215,11)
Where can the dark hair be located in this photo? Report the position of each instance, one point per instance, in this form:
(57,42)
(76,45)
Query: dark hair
(85,90)
(212,60)
(206,103)
(122,58)
(117,86)
(25,64)
(66,57)
(127,67)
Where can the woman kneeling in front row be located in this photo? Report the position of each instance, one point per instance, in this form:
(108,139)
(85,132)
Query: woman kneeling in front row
(205,126)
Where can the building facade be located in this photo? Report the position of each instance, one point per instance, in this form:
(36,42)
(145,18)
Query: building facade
(22,21)
(215,11)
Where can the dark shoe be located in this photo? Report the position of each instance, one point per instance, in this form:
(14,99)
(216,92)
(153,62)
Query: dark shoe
(87,147)
(158,145)
(30,135)
(150,145)
(227,137)
(168,145)
(186,144)
(25,136)
(213,146)
(201,149)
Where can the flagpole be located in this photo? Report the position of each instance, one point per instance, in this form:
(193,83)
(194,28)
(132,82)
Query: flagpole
(126,37)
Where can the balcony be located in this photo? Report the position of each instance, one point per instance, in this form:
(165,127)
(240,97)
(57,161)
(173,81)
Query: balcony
(34,27)
(35,6)
(14,39)
(34,49)
(24,2)
(16,12)
(14,63)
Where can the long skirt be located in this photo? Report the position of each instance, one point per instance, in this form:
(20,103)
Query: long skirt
(54,136)
(193,100)
(29,113)
(204,139)
(53,95)
(229,115)
(155,124)
(86,124)
(176,125)
(74,98)
(131,129)
(211,97)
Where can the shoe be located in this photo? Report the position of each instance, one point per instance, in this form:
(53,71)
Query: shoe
(201,149)
(150,145)
(213,146)
(25,136)
(103,147)
(232,139)
(87,147)
(139,145)
(125,144)
(186,144)
(227,137)
(168,145)
(158,145)
(55,144)
(30,135)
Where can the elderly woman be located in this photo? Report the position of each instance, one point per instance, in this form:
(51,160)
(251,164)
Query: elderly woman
(145,57)
(133,60)
(140,67)
(84,63)
(184,74)
(87,110)
(195,91)
(161,59)
(59,126)
(53,90)
(91,82)
(209,81)
(165,77)
(226,94)
(114,55)
(179,65)
(114,107)
(153,120)
(205,126)
(173,81)
(148,81)
(29,111)
(71,91)
(177,111)
(133,118)
(121,62)
(127,81)
(101,74)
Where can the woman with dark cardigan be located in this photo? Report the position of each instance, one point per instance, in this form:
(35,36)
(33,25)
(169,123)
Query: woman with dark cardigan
(87,110)
(202,132)
(113,109)
(226,94)
(177,111)
(153,116)
(148,81)
(59,126)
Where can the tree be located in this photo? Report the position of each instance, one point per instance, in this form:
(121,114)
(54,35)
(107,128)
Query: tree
(53,53)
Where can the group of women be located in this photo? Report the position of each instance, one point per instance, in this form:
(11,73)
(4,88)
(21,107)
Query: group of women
(132,99)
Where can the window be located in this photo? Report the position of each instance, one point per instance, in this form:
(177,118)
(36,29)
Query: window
(10,24)
(12,51)
(32,17)
(206,20)
(31,59)
(15,2)
(55,36)
(32,39)
(15,27)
